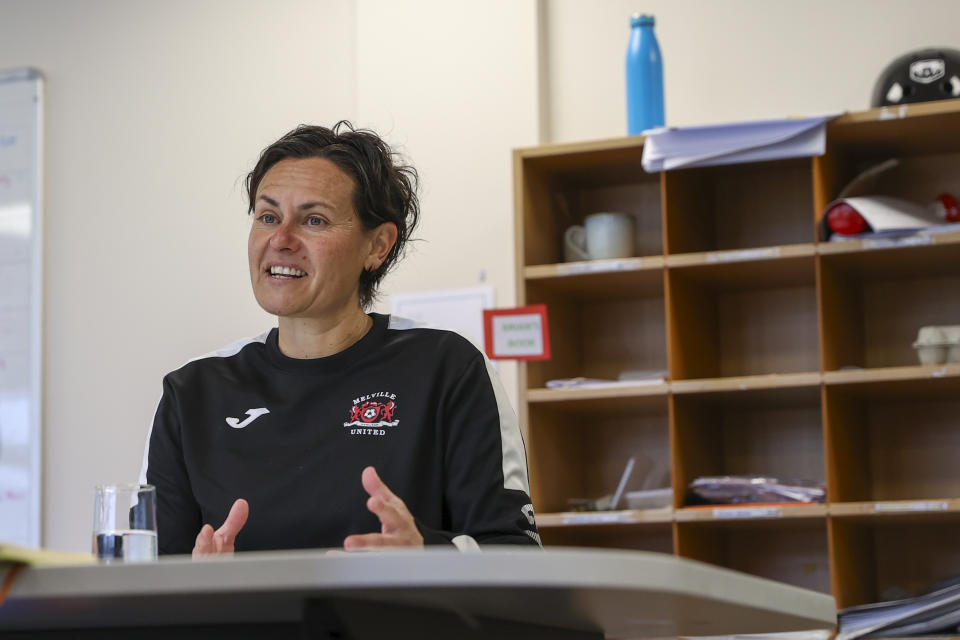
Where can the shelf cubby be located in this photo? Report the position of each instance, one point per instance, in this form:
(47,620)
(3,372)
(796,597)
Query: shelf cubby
(580,451)
(885,558)
(564,183)
(737,207)
(922,136)
(600,337)
(744,318)
(893,440)
(791,550)
(873,302)
(774,432)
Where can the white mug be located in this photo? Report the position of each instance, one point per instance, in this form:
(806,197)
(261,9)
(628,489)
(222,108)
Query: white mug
(603,235)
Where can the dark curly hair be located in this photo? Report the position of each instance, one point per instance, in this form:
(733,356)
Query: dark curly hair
(385,189)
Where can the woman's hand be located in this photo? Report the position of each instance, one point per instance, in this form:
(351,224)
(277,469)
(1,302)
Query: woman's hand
(397,528)
(210,542)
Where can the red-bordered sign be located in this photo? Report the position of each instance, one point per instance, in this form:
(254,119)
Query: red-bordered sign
(521,333)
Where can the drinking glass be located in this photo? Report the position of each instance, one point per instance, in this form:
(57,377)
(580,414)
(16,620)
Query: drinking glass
(125,523)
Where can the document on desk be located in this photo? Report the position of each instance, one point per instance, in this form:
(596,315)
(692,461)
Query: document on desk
(669,148)
(34,557)
(934,612)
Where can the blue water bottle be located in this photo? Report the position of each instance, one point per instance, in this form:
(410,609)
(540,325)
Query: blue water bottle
(644,77)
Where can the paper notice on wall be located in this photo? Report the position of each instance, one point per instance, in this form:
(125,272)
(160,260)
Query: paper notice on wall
(459,310)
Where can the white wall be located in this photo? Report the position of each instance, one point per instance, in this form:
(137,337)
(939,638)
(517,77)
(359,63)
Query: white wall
(455,85)
(154,114)
(155,111)
(728,60)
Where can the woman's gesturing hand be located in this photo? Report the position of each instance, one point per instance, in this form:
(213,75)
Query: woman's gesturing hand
(210,542)
(397,527)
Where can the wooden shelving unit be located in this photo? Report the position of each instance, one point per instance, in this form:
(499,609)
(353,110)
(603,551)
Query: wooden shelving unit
(783,356)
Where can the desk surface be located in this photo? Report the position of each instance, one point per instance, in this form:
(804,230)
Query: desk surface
(623,593)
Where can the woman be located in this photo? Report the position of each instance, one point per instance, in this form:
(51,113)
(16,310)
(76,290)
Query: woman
(338,427)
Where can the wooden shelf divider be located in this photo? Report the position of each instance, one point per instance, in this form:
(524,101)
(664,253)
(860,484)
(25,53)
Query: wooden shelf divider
(750,512)
(748,383)
(757,254)
(914,373)
(604,518)
(623,390)
(899,509)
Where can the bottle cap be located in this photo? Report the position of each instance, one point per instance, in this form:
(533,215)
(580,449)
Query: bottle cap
(638,20)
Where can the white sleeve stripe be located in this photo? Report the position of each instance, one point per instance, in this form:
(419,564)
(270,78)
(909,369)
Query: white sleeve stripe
(399,323)
(511,441)
(465,543)
(146,447)
(230,350)
(514,454)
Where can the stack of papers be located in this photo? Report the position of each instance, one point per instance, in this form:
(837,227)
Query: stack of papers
(934,612)
(754,489)
(949,227)
(14,558)
(703,146)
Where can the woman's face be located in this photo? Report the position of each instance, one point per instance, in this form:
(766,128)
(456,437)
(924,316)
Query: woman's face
(307,246)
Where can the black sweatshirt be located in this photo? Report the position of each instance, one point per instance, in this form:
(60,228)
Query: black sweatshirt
(291,436)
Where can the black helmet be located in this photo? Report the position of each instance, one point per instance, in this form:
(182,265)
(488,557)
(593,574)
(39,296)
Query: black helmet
(919,76)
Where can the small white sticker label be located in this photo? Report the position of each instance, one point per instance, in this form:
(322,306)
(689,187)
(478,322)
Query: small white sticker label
(743,254)
(887,243)
(911,506)
(597,267)
(747,512)
(596,518)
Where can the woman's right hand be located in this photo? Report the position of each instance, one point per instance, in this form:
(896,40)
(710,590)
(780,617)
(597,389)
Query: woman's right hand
(210,542)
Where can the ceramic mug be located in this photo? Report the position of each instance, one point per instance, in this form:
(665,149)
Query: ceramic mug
(603,235)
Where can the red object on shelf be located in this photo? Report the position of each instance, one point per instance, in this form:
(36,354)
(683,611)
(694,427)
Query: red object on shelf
(845,220)
(950,211)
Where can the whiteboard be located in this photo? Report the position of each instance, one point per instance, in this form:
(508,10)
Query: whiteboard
(21,278)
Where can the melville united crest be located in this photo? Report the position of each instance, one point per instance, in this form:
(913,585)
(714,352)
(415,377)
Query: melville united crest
(370,414)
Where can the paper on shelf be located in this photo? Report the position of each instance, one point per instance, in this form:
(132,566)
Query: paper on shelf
(747,489)
(888,216)
(885,213)
(669,148)
(899,237)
